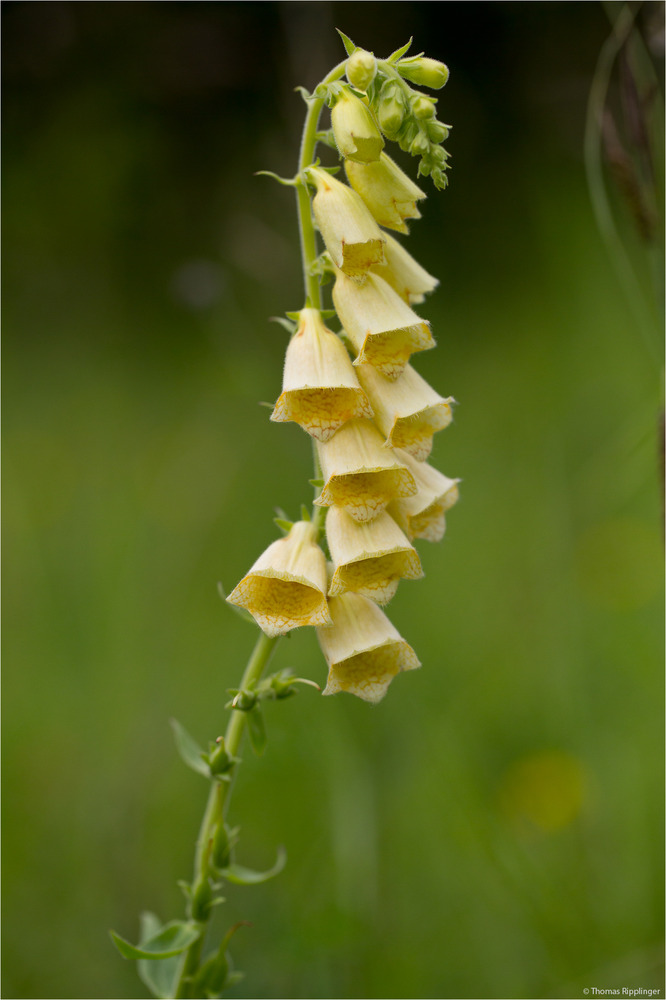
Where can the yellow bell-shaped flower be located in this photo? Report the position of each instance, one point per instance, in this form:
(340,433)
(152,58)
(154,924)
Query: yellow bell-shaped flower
(380,325)
(359,473)
(286,587)
(363,650)
(320,390)
(369,558)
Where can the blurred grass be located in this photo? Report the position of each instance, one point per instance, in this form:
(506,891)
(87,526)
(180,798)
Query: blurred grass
(493,828)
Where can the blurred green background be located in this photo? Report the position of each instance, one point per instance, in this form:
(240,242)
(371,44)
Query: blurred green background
(494,827)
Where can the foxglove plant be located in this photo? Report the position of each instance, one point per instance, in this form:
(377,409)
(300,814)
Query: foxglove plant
(371,418)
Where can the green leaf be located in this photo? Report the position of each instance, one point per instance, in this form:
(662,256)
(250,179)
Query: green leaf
(246,876)
(172,939)
(189,750)
(257,730)
(400,52)
(350,48)
(159,976)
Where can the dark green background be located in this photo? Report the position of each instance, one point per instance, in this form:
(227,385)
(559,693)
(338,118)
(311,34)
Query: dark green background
(142,259)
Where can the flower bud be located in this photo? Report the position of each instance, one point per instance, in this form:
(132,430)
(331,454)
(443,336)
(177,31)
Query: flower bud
(408,411)
(388,192)
(354,129)
(359,473)
(437,131)
(361,69)
(369,558)
(404,274)
(422,515)
(424,72)
(420,145)
(381,326)
(423,107)
(363,650)
(286,587)
(353,239)
(320,390)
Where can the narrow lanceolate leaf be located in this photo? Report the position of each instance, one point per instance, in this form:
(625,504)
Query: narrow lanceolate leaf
(189,750)
(173,939)
(246,876)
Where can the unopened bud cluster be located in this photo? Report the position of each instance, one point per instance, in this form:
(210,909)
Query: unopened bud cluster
(371,414)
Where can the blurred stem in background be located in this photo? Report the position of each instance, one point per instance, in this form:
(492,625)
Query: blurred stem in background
(632,165)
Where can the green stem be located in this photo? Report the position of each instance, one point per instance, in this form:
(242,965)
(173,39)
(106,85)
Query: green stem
(306,227)
(218,803)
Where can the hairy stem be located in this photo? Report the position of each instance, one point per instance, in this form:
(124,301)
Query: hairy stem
(218,803)
(306,227)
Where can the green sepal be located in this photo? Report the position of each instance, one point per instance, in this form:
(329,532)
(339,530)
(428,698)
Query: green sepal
(283,524)
(171,940)
(350,48)
(317,483)
(242,701)
(268,406)
(305,513)
(240,875)
(287,181)
(190,751)
(281,685)
(201,901)
(241,612)
(215,975)
(285,323)
(219,760)
(159,977)
(293,315)
(305,94)
(327,138)
(399,53)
